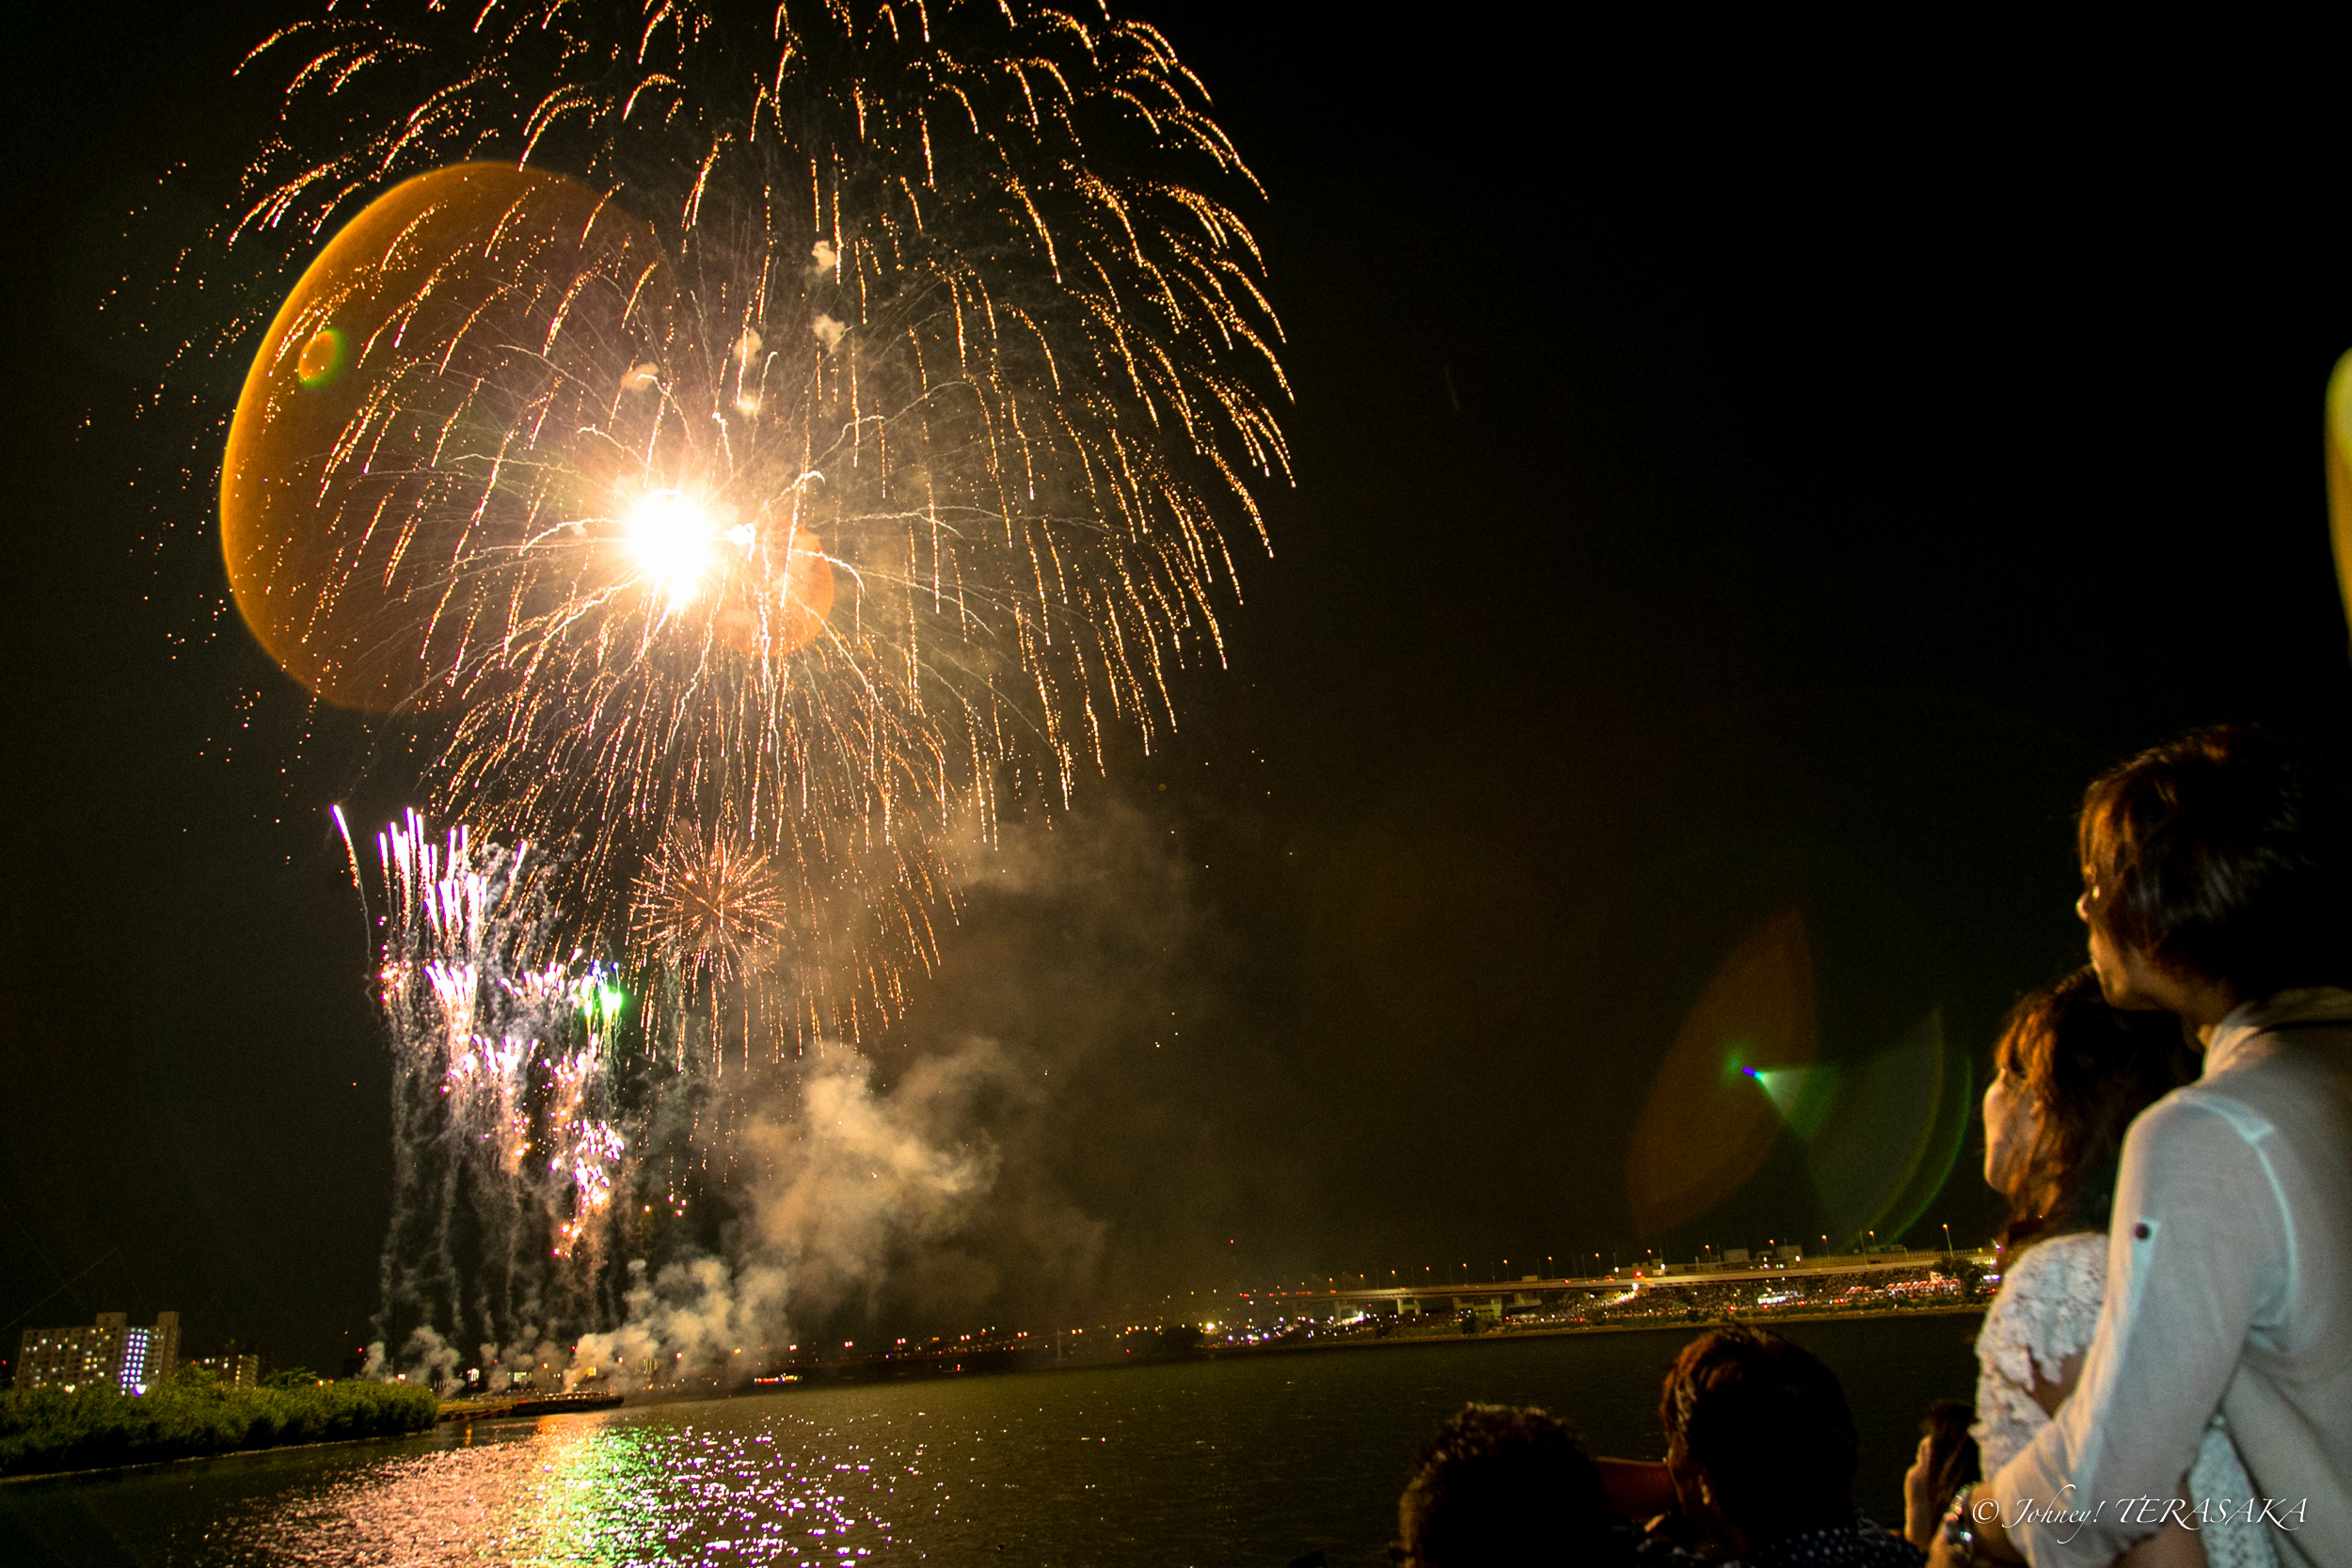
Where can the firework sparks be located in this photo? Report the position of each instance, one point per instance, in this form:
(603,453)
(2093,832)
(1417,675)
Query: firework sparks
(751,449)
(815,422)
(707,908)
(502,1089)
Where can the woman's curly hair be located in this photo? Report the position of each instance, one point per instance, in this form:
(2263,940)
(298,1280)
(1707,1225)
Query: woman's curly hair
(2090,1069)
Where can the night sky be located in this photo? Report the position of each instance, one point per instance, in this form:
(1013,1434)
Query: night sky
(1722,489)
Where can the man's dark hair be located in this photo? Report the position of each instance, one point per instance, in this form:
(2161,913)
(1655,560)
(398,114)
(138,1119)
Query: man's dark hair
(1502,1484)
(2223,856)
(1768,1424)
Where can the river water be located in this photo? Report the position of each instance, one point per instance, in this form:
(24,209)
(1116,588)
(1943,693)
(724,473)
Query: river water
(1255,1460)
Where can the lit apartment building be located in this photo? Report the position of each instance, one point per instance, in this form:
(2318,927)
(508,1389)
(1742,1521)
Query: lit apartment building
(112,1353)
(234,1371)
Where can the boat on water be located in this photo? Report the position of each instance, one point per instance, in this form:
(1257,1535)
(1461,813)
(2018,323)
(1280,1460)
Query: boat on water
(526,1405)
(560,1405)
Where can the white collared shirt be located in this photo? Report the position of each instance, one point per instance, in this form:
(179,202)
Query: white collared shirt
(2229,1289)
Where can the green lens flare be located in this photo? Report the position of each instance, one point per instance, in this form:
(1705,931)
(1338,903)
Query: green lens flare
(1880,1133)
(1802,1095)
(322,359)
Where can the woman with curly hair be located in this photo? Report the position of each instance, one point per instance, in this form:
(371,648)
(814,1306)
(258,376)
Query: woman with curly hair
(2071,1073)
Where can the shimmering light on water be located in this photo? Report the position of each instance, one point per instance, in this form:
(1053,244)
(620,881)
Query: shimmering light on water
(1254,1460)
(749,1483)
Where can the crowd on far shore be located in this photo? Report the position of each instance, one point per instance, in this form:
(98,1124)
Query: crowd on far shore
(2165,1375)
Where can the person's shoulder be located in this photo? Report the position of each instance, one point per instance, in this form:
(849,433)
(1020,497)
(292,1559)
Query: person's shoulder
(1661,1551)
(2074,1264)
(2199,1140)
(1886,1548)
(2287,1063)
(1863,1543)
(2204,1112)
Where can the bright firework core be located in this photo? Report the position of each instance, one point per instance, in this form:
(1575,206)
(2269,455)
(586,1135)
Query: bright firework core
(675,540)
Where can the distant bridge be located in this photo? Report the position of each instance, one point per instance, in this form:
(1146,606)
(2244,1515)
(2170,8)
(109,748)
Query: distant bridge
(1540,1289)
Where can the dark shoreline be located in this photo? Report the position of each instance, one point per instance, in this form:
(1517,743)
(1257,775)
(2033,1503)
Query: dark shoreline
(841,1374)
(213,1458)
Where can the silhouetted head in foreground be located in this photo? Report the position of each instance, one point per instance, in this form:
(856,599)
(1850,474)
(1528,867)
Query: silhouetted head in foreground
(2220,862)
(1759,1438)
(1499,1484)
(1946,1461)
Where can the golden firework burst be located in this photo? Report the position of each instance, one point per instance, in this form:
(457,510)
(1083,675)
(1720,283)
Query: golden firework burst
(707,906)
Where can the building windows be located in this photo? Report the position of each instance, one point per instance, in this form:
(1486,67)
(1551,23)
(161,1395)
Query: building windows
(110,1352)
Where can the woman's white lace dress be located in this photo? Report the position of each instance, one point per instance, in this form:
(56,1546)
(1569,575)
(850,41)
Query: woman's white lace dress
(2047,1312)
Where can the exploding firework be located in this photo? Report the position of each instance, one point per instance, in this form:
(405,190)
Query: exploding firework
(709,914)
(707,908)
(756,443)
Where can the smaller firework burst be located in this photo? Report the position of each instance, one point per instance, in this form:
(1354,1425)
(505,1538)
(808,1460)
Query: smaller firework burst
(707,908)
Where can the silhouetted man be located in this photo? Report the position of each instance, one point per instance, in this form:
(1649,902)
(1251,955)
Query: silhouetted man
(1505,1486)
(1762,1449)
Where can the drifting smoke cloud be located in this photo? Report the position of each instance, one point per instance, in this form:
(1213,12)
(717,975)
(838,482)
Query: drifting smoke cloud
(860,1179)
(426,1357)
(928,1182)
(854,1184)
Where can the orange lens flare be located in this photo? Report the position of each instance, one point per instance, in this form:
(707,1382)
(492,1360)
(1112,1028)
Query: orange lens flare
(1704,1129)
(778,601)
(435,427)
